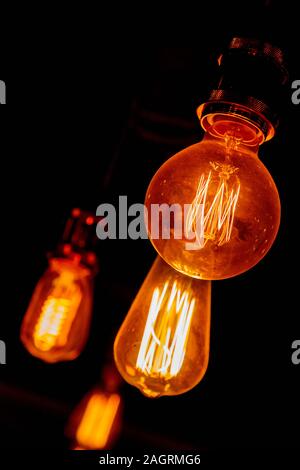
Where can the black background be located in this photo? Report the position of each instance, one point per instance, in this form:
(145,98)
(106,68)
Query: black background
(92,120)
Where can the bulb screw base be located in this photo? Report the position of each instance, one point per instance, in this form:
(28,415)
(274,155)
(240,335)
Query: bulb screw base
(250,85)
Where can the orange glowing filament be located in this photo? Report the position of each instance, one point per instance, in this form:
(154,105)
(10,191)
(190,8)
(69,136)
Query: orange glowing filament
(97,421)
(212,218)
(166,333)
(57,313)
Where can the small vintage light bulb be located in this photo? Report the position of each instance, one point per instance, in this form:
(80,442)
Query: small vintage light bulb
(162,347)
(56,324)
(96,422)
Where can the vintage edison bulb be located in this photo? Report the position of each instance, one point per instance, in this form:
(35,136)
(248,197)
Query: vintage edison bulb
(225,208)
(163,345)
(56,324)
(95,422)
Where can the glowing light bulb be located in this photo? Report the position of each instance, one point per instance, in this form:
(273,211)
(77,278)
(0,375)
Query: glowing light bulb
(56,324)
(213,210)
(222,199)
(95,423)
(163,345)
(57,313)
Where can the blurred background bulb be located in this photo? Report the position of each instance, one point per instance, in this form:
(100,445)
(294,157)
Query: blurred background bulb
(233,207)
(95,423)
(229,200)
(56,324)
(162,347)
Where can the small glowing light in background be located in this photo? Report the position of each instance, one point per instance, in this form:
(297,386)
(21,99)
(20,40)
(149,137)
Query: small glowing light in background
(56,324)
(95,423)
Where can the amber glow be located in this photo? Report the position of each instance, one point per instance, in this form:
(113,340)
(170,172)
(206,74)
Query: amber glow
(234,207)
(166,332)
(213,221)
(57,320)
(163,345)
(98,420)
(57,313)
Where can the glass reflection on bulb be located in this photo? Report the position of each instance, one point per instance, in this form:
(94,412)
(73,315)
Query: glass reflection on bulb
(163,345)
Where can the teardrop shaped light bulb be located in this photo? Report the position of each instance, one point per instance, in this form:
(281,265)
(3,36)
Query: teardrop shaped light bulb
(162,347)
(56,324)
